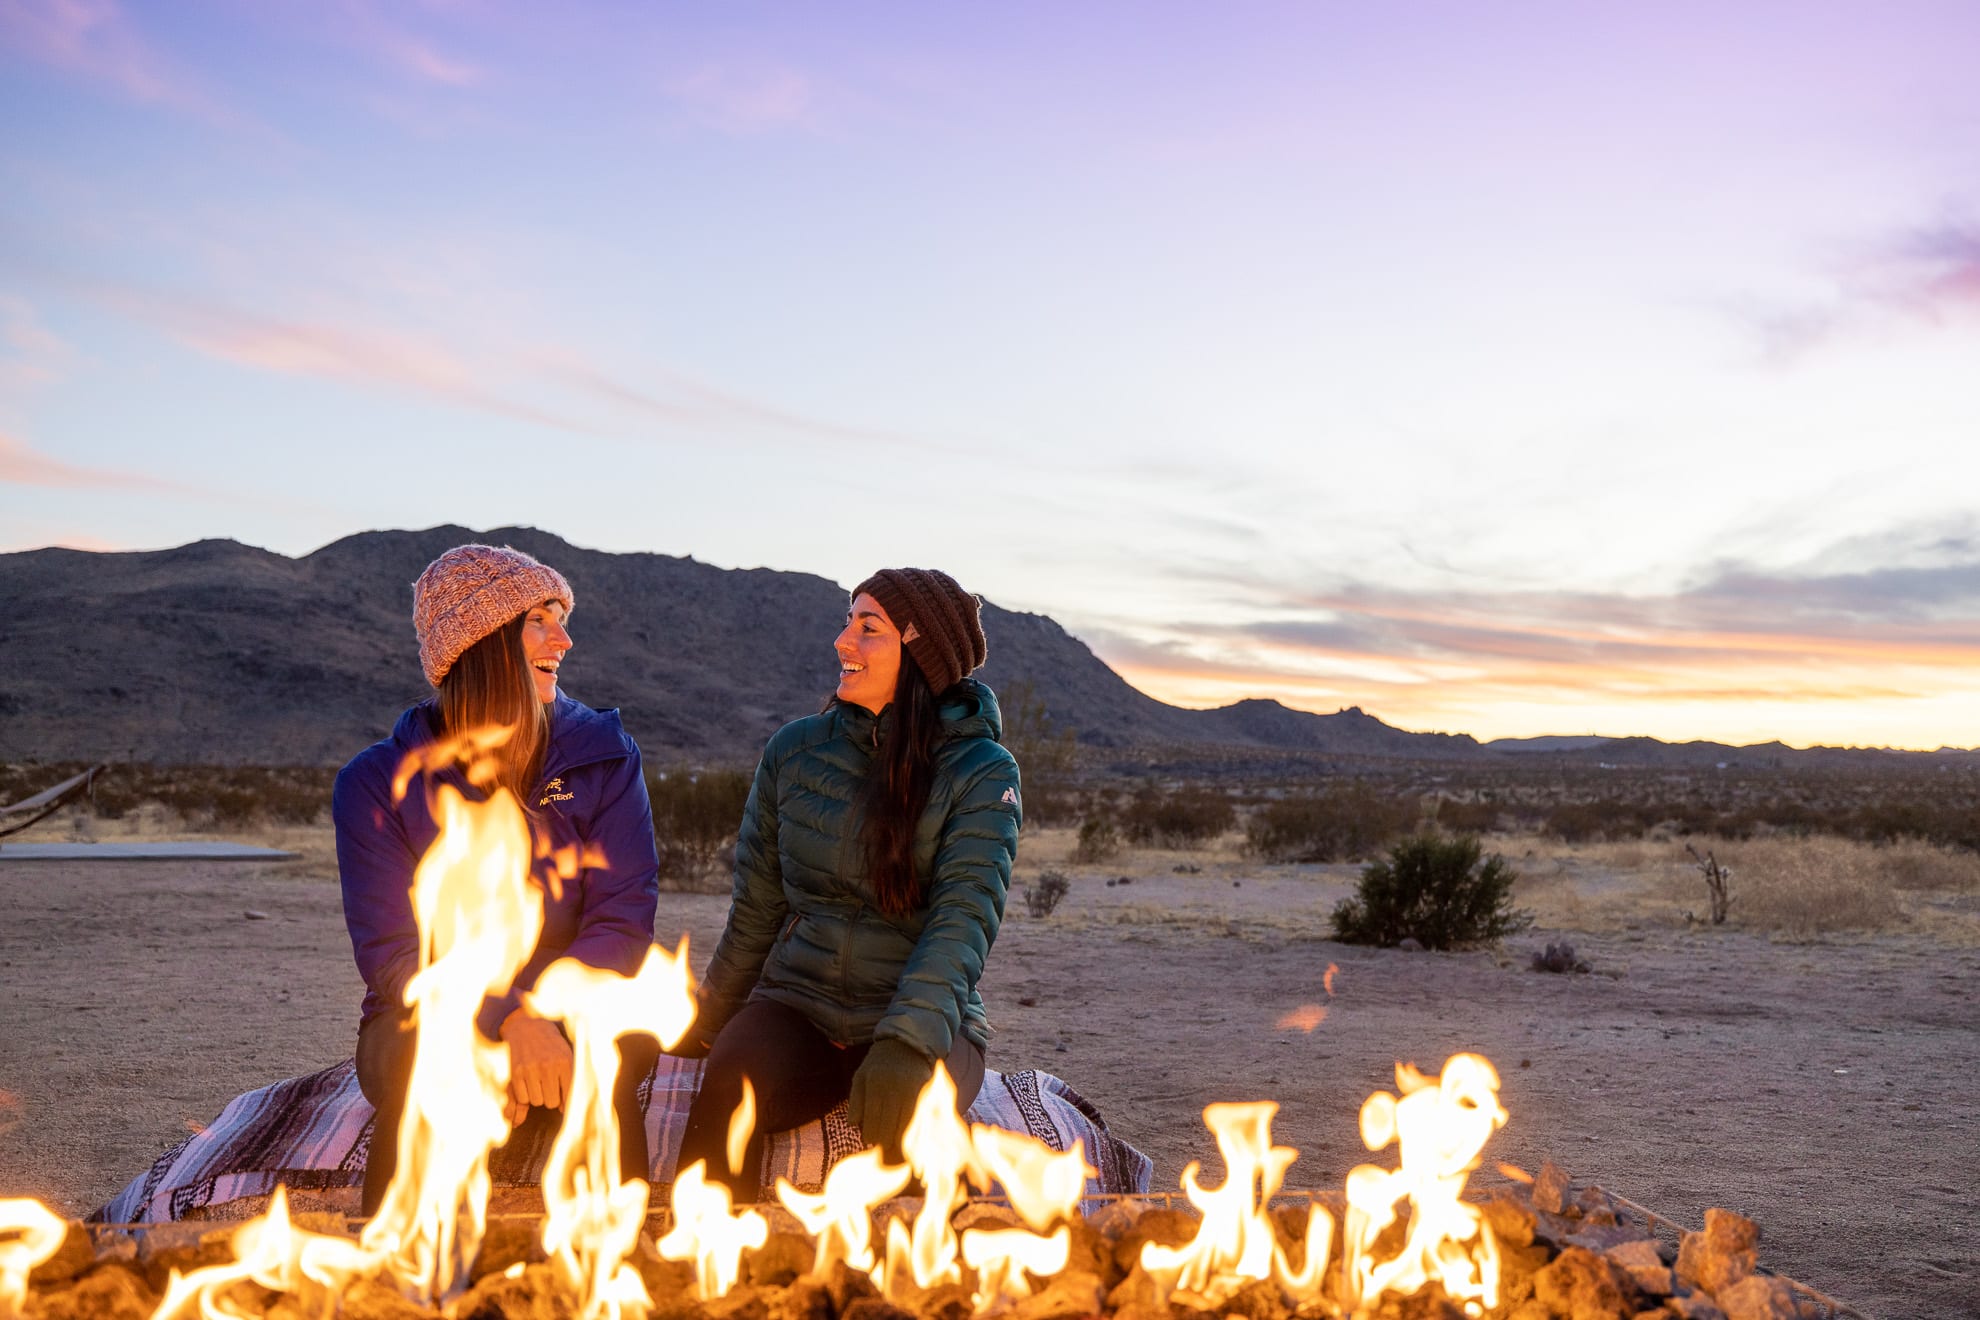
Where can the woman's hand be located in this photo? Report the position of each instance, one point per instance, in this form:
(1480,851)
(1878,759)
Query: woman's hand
(540,1061)
(884,1092)
(690,1046)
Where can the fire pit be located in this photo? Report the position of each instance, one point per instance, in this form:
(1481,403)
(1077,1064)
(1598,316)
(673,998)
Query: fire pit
(1597,1254)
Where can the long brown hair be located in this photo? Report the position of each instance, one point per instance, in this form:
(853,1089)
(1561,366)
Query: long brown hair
(491,685)
(896,789)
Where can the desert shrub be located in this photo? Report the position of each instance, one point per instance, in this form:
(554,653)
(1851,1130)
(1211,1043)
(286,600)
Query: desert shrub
(202,796)
(695,815)
(1804,888)
(1462,817)
(1043,894)
(1098,841)
(1342,825)
(1916,865)
(1607,818)
(1437,889)
(1185,818)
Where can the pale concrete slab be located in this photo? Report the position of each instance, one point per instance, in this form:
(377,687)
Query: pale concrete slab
(185,851)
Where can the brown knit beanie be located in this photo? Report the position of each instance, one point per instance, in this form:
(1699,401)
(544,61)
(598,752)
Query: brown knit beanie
(471,591)
(938,621)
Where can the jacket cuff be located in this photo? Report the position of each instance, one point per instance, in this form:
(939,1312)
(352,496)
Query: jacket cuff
(494,1011)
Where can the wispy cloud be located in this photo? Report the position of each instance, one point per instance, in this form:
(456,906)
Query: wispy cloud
(43,536)
(367,357)
(746,97)
(97,39)
(1924,278)
(675,399)
(1893,632)
(387,38)
(545,386)
(23,465)
(30,353)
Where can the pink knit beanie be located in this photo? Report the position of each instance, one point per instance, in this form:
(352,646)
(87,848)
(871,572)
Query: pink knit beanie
(471,591)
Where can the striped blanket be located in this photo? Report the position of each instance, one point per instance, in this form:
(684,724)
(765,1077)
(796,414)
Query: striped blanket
(311,1133)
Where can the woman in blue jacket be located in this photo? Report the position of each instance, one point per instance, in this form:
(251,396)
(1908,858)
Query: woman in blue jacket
(872,867)
(491,628)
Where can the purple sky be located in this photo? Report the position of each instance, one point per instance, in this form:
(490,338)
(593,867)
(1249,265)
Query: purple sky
(1514,369)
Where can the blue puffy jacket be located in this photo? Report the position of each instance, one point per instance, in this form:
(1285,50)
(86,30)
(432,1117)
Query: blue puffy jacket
(592,795)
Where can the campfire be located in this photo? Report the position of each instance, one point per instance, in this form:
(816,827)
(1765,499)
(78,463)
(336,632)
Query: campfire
(975,1221)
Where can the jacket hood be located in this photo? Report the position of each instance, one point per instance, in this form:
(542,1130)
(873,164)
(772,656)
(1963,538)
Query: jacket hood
(579,735)
(969,710)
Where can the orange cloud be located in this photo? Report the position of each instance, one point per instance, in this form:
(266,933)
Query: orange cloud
(1886,654)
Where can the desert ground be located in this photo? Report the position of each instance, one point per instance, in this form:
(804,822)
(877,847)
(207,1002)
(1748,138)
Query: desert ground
(1824,1081)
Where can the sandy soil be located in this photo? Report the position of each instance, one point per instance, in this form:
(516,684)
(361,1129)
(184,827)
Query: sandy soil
(1827,1089)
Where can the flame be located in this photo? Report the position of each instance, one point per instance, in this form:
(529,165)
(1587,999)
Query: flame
(593,1210)
(1327,981)
(272,1252)
(707,1232)
(478,921)
(1000,1256)
(741,1124)
(1043,1184)
(1304,1018)
(29,1233)
(1234,1244)
(841,1215)
(1439,1129)
(939,1150)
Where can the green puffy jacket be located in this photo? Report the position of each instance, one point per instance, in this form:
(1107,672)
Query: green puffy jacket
(804,929)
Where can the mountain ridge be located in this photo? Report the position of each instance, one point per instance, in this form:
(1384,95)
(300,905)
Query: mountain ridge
(223,653)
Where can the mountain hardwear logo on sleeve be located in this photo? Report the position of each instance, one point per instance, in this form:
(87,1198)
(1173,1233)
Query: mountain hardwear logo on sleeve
(1010,796)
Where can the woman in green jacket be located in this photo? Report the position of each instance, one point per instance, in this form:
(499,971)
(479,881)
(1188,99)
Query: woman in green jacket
(871,872)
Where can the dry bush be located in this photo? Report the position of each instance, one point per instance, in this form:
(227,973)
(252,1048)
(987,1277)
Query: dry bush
(1042,895)
(1098,842)
(1186,817)
(1801,888)
(695,817)
(1915,865)
(1343,823)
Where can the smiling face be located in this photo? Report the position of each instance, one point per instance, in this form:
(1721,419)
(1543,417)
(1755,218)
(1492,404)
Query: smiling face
(544,643)
(869,655)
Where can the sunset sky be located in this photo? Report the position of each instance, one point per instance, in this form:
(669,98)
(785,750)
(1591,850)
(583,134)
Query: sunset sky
(1509,369)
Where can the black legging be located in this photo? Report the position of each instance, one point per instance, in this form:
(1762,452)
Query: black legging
(798,1074)
(384,1070)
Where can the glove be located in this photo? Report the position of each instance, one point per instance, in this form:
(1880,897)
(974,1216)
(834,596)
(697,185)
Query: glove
(690,1046)
(699,1037)
(884,1091)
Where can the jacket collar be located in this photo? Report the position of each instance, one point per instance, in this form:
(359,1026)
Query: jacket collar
(579,735)
(967,710)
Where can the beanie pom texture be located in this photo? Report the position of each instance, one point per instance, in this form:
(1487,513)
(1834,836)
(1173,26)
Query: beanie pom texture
(472,591)
(940,623)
